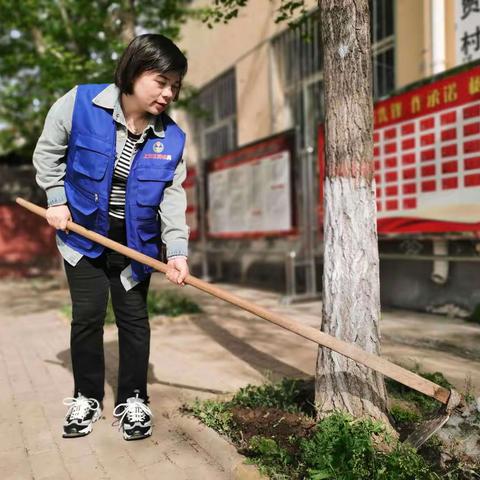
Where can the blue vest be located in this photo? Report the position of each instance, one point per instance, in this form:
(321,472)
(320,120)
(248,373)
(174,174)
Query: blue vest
(90,162)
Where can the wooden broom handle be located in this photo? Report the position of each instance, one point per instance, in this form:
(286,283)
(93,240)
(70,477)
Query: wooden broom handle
(379,364)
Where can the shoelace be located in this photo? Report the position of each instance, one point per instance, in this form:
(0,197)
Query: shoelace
(79,406)
(135,411)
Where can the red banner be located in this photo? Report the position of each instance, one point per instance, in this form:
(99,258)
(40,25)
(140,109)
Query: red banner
(427,157)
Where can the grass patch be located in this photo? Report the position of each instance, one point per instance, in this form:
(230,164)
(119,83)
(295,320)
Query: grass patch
(404,415)
(216,415)
(171,303)
(290,395)
(158,303)
(425,405)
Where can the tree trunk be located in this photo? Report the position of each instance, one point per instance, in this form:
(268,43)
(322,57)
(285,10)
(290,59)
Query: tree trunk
(351,291)
(128,17)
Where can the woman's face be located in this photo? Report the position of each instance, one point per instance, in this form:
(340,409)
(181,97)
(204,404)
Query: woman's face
(154,91)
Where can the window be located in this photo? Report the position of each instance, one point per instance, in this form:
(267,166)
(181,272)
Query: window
(217,125)
(383,46)
(297,61)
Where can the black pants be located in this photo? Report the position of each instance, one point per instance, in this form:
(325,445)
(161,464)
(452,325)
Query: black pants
(90,282)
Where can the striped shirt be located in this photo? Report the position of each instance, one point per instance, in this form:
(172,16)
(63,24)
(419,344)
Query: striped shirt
(120,175)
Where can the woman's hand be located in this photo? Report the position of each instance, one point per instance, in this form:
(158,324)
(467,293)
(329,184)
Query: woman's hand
(58,216)
(177,270)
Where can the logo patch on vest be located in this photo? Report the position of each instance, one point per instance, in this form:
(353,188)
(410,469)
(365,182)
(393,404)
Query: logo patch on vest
(158,147)
(161,156)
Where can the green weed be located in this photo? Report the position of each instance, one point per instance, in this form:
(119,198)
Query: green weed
(425,404)
(402,415)
(344,448)
(283,395)
(168,302)
(215,415)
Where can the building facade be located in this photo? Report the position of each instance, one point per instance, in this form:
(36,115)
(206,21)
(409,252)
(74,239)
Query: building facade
(260,82)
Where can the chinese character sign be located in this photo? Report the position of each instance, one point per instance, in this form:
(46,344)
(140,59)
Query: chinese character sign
(467,15)
(427,155)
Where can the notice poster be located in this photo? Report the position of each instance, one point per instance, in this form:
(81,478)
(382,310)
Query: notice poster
(277,202)
(251,196)
(219,208)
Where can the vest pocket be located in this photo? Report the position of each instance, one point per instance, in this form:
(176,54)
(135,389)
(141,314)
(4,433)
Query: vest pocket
(90,157)
(148,231)
(83,207)
(151,183)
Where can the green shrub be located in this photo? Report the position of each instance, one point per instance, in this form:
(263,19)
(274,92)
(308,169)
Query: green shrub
(215,415)
(403,415)
(341,448)
(283,395)
(170,303)
(344,448)
(425,404)
(272,460)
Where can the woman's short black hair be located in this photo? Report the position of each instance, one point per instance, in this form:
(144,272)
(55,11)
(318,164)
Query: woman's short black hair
(149,52)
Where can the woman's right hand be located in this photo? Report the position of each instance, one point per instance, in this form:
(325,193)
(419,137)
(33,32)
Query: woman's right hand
(58,216)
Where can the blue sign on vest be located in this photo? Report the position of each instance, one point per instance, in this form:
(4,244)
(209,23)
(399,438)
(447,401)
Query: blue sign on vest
(90,163)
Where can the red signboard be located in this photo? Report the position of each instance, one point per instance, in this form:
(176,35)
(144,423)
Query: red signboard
(427,157)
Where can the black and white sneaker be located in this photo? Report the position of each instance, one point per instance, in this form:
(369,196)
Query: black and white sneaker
(80,416)
(135,418)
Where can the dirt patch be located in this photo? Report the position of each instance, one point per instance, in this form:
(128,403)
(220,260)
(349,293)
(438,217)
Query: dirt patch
(272,423)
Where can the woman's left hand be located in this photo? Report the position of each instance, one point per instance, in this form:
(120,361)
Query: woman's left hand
(177,270)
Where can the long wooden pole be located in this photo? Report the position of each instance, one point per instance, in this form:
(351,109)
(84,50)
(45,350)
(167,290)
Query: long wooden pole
(379,364)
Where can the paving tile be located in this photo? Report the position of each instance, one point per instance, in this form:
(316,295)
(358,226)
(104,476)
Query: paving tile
(121,467)
(11,438)
(165,470)
(14,465)
(85,467)
(73,448)
(48,464)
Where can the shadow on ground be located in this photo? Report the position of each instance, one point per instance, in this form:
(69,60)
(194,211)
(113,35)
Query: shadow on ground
(111,369)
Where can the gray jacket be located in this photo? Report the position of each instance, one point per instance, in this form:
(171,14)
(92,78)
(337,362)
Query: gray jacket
(49,161)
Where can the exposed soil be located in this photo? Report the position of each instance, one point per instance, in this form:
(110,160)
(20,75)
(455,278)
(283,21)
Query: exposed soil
(272,423)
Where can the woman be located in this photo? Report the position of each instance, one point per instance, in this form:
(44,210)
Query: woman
(110,159)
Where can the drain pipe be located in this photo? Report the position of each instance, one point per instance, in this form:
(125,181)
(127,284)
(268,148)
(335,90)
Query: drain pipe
(440,267)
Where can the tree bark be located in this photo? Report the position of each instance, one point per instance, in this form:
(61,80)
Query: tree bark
(351,290)
(128,18)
